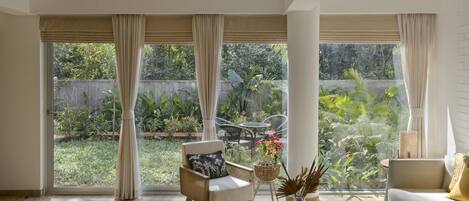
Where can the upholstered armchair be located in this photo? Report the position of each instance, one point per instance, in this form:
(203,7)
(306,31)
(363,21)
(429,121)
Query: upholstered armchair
(237,186)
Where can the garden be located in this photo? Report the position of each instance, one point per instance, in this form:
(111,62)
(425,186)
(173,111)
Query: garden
(358,122)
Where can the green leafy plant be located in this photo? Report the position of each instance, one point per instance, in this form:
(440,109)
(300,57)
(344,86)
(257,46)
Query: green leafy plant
(171,126)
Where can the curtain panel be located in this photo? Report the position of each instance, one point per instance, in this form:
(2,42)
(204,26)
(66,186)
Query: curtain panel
(129,33)
(418,38)
(208,41)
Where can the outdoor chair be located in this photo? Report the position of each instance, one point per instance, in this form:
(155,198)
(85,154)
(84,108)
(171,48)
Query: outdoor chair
(235,136)
(278,123)
(238,186)
(220,121)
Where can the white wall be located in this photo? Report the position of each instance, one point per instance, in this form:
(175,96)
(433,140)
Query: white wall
(228,6)
(14,6)
(455,52)
(19,103)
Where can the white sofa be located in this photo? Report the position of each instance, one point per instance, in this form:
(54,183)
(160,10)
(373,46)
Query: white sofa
(417,180)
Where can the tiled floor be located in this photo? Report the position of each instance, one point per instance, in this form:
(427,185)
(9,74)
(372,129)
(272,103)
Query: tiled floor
(180,198)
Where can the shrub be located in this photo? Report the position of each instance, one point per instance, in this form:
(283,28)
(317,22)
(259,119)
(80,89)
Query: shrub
(189,124)
(171,126)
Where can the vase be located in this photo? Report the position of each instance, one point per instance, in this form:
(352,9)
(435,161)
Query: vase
(295,198)
(267,172)
(309,197)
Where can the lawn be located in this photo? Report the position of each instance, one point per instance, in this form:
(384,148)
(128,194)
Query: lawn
(92,162)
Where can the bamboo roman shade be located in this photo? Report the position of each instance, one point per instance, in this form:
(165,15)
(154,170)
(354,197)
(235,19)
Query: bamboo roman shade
(238,29)
(359,28)
(256,28)
(168,29)
(76,29)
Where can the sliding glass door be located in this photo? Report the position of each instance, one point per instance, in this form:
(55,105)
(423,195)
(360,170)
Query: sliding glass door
(84,115)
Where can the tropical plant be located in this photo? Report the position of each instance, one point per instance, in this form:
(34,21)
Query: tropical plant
(171,126)
(307,181)
(189,124)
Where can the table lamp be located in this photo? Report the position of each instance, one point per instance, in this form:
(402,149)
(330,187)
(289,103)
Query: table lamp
(408,144)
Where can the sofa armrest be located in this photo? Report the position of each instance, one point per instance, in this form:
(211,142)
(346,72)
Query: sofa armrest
(416,173)
(240,171)
(194,185)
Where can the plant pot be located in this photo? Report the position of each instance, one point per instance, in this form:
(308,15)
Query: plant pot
(267,172)
(309,197)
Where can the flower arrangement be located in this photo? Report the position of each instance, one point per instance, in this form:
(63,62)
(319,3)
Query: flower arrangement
(270,148)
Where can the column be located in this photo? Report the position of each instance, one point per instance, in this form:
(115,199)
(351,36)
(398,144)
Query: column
(303,86)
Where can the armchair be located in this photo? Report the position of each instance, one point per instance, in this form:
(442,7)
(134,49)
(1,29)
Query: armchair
(417,179)
(238,186)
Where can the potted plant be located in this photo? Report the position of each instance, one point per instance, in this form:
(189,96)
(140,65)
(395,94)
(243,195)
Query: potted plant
(306,182)
(270,149)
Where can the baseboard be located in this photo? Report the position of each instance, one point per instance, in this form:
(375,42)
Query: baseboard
(26,193)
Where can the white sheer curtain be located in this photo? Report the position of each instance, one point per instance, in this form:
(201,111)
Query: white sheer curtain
(418,38)
(129,34)
(207,31)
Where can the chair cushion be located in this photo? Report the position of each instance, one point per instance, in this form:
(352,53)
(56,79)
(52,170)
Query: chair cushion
(460,190)
(395,194)
(230,189)
(202,147)
(211,165)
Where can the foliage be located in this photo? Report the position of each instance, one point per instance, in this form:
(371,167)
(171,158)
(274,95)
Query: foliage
(168,62)
(307,181)
(373,62)
(79,122)
(357,129)
(189,124)
(84,61)
(172,126)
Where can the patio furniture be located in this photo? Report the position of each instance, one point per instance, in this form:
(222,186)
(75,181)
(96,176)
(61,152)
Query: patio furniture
(220,121)
(278,123)
(256,127)
(238,186)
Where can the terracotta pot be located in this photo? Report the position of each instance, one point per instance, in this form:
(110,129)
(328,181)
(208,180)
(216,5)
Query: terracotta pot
(267,172)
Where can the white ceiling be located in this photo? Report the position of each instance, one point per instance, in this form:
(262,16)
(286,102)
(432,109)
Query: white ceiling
(56,7)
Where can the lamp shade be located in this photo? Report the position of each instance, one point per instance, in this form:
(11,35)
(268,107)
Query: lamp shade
(408,144)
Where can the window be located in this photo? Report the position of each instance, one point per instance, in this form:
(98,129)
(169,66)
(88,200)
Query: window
(85,118)
(362,108)
(167,112)
(253,87)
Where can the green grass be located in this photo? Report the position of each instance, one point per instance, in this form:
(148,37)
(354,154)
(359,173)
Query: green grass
(92,162)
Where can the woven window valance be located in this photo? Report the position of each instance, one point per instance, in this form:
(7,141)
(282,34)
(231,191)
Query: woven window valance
(76,29)
(256,28)
(359,28)
(168,29)
(238,28)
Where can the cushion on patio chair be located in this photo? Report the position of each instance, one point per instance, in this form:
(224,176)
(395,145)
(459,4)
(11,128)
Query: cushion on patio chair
(395,194)
(230,189)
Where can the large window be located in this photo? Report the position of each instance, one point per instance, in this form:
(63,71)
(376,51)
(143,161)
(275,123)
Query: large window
(167,112)
(84,120)
(253,87)
(362,108)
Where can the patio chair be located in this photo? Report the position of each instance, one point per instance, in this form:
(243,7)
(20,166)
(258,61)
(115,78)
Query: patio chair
(220,121)
(278,123)
(238,186)
(236,136)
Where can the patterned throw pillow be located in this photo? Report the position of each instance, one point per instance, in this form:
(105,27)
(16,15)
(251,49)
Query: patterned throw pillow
(211,165)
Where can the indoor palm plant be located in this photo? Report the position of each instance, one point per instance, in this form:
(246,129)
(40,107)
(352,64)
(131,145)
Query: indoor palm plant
(306,182)
(270,149)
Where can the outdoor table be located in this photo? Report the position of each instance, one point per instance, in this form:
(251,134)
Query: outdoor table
(255,127)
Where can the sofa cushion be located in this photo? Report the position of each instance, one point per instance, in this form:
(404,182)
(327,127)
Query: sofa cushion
(395,194)
(230,189)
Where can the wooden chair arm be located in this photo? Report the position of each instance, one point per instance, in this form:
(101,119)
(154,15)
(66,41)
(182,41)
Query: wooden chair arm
(240,171)
(194,185)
